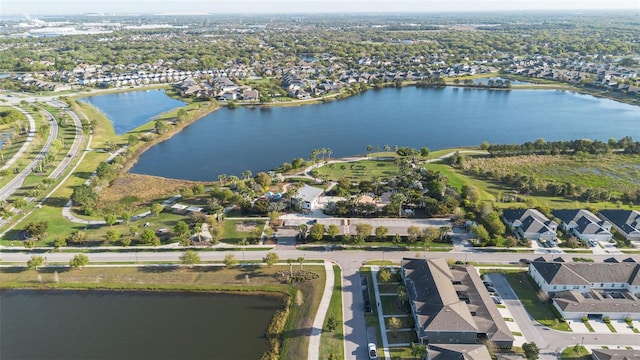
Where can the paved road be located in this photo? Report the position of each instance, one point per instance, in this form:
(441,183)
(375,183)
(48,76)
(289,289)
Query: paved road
(18,180)
(75,149)
(27,142)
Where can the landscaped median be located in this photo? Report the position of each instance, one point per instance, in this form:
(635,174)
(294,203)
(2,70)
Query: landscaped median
(290,336)
(332,340)
(534,302)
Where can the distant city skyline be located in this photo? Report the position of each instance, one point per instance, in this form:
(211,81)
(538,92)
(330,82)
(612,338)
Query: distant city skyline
(43,7)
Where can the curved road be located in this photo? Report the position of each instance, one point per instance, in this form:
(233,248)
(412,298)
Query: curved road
(18,180)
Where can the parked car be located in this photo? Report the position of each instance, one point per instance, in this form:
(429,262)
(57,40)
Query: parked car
(367,306)
(525,261)
(496,300)
(373,352)
(491,289)
(487,283)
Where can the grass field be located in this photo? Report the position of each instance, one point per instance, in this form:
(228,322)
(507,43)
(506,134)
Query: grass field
(359,170)
(527,291)
(333,342)
(575,352)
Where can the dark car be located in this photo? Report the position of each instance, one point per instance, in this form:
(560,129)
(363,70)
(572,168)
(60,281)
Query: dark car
(367,306)
(525,261)
(491,289)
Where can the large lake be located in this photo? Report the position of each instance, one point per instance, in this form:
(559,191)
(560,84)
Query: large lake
(260,139)
(128,110)
(133,325)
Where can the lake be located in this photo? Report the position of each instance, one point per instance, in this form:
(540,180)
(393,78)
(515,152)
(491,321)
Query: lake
(259,139)
(128,110)
(133,325)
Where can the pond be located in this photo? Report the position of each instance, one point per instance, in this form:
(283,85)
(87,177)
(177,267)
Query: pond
(133,325)
(128,110)
(259,139)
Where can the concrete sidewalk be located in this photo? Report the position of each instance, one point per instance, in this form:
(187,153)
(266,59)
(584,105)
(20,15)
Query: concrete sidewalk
(318,321)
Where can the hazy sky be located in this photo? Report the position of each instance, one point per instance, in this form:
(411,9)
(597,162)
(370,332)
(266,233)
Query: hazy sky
(297,6)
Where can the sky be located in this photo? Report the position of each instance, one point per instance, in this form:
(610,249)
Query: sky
(297,6)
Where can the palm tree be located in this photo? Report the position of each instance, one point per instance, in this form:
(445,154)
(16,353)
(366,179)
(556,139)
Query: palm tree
(301,261)
(290,262)
(222,178)
(402,294)
(329,152)
(246,174)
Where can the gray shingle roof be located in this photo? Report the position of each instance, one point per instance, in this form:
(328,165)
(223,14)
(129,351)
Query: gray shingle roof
(459,352)
(587,273)
(627,220)
(615,354)
(597,301)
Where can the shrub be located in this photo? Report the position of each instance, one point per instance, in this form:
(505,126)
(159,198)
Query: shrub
(585,319)
(628,320)
(606,320)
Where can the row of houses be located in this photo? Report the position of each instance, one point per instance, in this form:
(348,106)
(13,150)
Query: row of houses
(531,224)
(590,290)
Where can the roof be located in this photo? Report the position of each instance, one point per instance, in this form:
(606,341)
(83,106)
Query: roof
(459,352)
(529,220)
(436,301)
(308,193)
(627,220)
(578,273)
(598,301)
(615,354)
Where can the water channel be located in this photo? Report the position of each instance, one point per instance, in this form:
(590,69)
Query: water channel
(38,324)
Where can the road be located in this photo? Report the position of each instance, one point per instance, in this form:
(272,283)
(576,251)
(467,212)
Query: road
(76,147)
(18,180)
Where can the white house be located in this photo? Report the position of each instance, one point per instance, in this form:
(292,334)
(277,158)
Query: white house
(307,197)
(530,224)
(584,225)
(627,222)
(593,290)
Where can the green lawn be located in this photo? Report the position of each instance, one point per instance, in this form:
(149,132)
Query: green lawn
(230,233)
(360,170)
(401,337)
(333,342)
(527,291)
(389,306)
(575,352)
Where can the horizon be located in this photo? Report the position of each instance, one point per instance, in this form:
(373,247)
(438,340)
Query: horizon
(255,7)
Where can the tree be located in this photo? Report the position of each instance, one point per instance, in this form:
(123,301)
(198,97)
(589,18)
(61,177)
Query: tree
(263,179)
(35,262)
(190,258)
(510,242)
(417,350)
(394,323)
(381,232)
(78,237)
(531,351)
(149,237)
(424,151)
(59,242)
(181,228)
(84,196)
(333,230)
(363,231)
(413,233)
(126,216)
(480,232)
(302,231)
(301,261)
(156,209)
(316,232)
(78,261)
(112,236)
(110,219)
(332,322)
(230,261)
(271,259)
(37,230)
(385,275)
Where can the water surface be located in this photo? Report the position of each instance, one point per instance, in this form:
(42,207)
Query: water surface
(133,325)
(259,139)
(128,110)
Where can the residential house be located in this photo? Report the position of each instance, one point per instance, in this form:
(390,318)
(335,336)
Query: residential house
(615,354)
(450,305)
(458,352)
(307,197)
(584,225)
(530,224)
(626,222)
(593,290)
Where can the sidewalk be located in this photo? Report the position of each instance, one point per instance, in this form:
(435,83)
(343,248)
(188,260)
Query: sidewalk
(318,321)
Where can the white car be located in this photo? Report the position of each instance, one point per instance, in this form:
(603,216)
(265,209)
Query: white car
(373,352)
